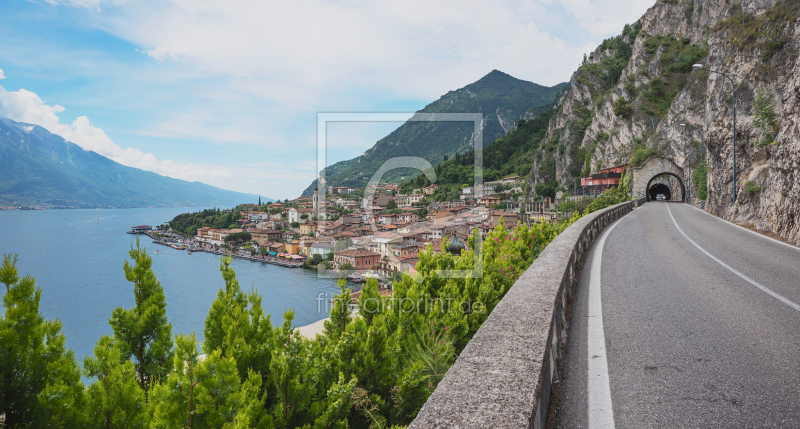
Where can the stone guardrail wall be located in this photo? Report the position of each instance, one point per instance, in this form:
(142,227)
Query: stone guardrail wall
(503,377)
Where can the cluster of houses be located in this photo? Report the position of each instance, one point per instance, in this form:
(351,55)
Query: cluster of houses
(348,230)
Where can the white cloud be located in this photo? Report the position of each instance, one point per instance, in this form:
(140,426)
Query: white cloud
(299,52)
(2,76)
(89,4)
(244,71)
(26,106)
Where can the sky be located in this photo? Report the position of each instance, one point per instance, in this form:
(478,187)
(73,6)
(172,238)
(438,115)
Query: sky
(227,92)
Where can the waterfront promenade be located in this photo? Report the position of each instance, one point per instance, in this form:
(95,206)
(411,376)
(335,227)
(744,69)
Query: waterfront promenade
(195,246)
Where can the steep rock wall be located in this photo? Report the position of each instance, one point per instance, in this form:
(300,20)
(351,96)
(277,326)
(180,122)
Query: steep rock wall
(755,42)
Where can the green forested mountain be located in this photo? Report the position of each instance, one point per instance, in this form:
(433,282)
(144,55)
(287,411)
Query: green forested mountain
(501,98)
(514,153)
(40,168)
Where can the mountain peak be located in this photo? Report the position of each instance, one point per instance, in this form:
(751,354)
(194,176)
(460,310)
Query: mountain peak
(502,99)
(38,168)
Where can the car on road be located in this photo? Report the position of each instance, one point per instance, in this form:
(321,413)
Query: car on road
(660,197)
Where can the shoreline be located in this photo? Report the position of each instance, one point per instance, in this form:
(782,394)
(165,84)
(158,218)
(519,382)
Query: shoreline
(310,331)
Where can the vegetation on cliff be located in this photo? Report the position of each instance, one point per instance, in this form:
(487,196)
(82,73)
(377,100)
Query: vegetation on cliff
(512,154)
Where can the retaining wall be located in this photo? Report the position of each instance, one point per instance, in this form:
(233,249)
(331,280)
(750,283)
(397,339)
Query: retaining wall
(503,377)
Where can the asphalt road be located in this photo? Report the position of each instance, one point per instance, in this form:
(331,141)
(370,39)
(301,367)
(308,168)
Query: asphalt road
(688,342)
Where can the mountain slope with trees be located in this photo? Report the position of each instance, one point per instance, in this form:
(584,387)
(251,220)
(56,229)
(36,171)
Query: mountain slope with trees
(501,98)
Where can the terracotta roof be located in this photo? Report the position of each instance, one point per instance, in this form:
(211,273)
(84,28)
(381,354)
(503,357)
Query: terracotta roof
(264,231)
(357,253)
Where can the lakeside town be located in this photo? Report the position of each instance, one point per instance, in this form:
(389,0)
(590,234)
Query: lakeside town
(343,231)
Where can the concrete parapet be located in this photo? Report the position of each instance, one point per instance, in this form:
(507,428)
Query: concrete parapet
(503,377)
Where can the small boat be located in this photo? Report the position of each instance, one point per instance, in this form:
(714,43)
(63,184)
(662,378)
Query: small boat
(157,252)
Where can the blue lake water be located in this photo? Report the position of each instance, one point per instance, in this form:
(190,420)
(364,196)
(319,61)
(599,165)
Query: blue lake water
(77,261)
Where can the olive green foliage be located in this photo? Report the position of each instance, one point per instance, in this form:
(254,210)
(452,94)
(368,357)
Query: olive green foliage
(609,69)
(584,120)
(621,107)
(238,238)
(700,181)
(189,223)
(587,168)
(641,153)
(751,187)
(676,61)
(143,332)
(766,117)
(687,11)
(313,261)
(774,42)
(745,29)
(545,189)
(571,205)
(614,64)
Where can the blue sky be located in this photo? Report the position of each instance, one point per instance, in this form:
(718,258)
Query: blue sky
(227,92)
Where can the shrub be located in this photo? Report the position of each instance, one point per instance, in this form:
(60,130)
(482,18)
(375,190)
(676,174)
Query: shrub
(766,119)
(609,198)
(700,181)
(621,107)
(774,42)
(751,187)
(640,156)
(545,189)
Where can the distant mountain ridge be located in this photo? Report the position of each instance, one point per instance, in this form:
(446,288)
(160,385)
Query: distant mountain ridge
(41,168)
(503,100)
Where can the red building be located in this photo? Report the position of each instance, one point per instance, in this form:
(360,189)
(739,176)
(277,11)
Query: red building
(604,179)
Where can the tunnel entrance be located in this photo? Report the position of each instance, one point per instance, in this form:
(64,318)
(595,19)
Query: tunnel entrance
(660,188)
(669,184)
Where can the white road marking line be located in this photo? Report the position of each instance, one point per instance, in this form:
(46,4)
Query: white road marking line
(765,289)
(748,230)
(601,412)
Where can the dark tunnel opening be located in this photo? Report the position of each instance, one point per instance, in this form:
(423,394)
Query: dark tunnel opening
(657,189)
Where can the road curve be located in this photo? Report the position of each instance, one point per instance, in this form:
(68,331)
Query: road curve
(690,338)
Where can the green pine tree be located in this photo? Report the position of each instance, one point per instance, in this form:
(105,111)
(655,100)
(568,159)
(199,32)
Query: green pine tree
(291,378)
(40,383)
(340,312)
(236,325)
(143,331)
(114,398)
(207,393)
(370,302)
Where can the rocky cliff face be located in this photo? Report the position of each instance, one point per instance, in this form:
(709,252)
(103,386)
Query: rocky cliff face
(628,100)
